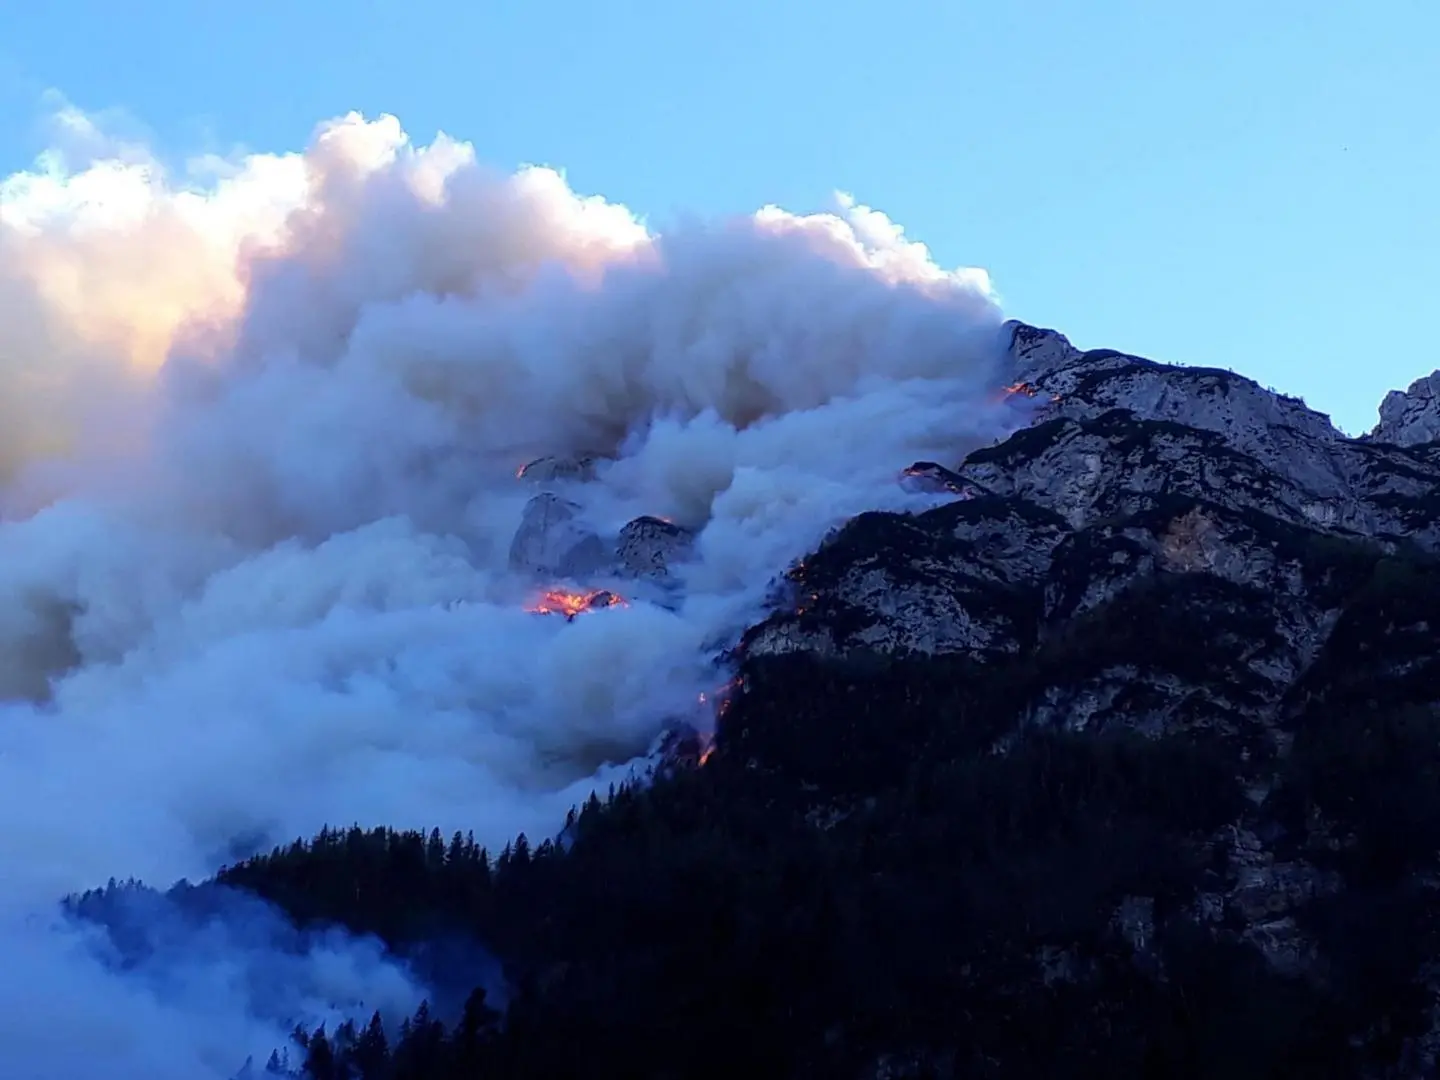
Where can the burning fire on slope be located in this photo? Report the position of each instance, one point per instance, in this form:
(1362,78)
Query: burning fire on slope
(1028,390)
(935,477)
(719,701)
(572,602)
(707,748)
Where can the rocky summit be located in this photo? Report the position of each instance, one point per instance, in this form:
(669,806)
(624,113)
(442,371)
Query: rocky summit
(1123,760)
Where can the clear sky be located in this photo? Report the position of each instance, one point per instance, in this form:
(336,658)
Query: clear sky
(1242,184)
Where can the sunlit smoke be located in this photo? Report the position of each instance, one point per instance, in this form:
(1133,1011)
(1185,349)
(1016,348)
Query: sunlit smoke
(260,428)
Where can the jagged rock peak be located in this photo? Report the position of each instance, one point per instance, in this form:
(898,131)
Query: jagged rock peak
(1034,345)
(1411,417)
(560,467)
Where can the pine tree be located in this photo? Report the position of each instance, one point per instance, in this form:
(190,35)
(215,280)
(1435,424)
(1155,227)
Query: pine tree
(372,1051)
(456,854)
(472,1034)
(320,1061)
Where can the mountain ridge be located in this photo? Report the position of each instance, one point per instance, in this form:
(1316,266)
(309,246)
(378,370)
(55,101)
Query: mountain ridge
(1137,731)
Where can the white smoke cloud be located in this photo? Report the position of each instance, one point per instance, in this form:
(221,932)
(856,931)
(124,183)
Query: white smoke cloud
(259,426)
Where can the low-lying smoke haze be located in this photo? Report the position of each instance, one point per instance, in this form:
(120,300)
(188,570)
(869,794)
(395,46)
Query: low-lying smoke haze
(259,429)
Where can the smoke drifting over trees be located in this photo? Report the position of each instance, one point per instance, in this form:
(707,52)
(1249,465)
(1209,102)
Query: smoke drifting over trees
(259,428)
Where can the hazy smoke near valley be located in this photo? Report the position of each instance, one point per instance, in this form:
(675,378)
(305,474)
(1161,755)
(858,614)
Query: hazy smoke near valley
(259,430)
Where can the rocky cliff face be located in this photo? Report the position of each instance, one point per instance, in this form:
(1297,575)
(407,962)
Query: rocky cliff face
(1179,553)
(1411,417)
(1134,470)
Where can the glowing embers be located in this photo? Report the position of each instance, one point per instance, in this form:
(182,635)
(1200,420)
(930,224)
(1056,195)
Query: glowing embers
(933,477)
(719,701)
(1017,390)
(557,468)
(705,746)
(572,602)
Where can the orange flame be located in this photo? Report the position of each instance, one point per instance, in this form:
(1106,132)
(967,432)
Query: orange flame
(570,602)
(721,699)
(948,481)
(1026,389)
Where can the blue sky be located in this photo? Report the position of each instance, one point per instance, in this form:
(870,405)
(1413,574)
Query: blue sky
(1251,185)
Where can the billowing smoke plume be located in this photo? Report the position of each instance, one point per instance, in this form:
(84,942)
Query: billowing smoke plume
(259,430)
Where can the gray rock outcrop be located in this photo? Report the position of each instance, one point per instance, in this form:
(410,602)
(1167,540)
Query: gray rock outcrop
(648,547)
(1411,417)
(553,541)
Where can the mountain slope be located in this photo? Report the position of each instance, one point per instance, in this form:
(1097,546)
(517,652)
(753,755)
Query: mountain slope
(1123,761)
